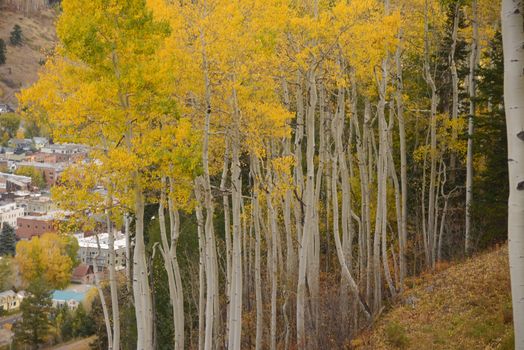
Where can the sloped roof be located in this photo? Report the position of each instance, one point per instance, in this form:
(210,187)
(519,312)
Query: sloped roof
(7,293)
(80,271)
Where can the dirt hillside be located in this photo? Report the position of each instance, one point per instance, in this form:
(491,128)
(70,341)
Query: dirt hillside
(23,62)
(465,306)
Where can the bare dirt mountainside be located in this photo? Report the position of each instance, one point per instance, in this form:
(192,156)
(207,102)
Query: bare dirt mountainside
(23,62)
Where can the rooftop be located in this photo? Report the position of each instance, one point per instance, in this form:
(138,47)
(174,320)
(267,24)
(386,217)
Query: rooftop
(103,240)
(67,295)
(52,215)
(56,166)
(7,293)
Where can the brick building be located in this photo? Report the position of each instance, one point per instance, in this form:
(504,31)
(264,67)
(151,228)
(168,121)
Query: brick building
(33,225)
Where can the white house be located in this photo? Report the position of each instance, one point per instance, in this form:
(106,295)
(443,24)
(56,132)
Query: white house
(88,249)
(9,301)
(9,213)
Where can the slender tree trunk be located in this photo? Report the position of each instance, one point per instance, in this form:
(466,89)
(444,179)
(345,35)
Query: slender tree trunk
(113,283)
(235,311)
(513,37)
(272,264)
(309,200)
(472,97)
(201,269)
(403,164)
(171,265)
(103,302)
(212,302)
(454,82)
(433,143)
(227,222)
(141,288)
(258,279)
(346,273)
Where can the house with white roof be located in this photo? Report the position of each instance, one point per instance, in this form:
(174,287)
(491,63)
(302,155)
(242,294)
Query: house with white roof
(89,250)
(9,213)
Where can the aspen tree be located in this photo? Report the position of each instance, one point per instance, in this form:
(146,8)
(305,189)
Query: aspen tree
(513,37)
(472,87)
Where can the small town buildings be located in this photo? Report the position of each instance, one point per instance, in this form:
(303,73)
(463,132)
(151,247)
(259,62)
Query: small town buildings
(13,183)
(40,142)
(10,213)
(36,204)
(35,225)
(13,155)
(9,301)
(89,249)
(41,157)
(50,171)
(21,144)
(64,148)
(5,108)
(64,152)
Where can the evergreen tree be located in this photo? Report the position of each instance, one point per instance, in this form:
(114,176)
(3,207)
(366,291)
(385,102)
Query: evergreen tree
(7,240)
(36,309)
(16,36)
(2,52)
(490,205)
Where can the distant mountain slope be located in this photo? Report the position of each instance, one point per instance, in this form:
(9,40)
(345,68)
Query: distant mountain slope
(23,62)
(466,306)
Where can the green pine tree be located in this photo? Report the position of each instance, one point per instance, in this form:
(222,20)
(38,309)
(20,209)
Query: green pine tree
(3,52)
(7,240)
(490,202)
(16,36)
(36,309)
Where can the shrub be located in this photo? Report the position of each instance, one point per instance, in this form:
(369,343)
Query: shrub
(2,52)
(16,36)
(507,313)
(396,335)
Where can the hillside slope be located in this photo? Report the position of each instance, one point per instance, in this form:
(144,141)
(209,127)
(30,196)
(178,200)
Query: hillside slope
(23,62)
(466,306)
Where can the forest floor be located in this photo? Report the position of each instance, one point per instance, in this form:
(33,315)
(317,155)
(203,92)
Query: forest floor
(466,305)
(23,62)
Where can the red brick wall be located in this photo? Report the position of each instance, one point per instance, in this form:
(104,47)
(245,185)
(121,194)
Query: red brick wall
(30,227)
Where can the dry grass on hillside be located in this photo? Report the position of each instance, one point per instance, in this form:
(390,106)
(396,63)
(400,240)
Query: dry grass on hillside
(466,306)
(23,62)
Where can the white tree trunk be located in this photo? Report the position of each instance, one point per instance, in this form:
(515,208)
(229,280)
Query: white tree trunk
(201,269)
(211,266)
(113,283)
(309,221)
(141,288)
(513,37)
(454,82)
(403,164)
(105,310)
(235,293)
(168,249)
(258,279)
(472,96)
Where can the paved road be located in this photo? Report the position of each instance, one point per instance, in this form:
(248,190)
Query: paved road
(9,319)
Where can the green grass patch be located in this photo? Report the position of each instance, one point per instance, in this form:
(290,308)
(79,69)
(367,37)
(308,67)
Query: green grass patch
(396,335)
